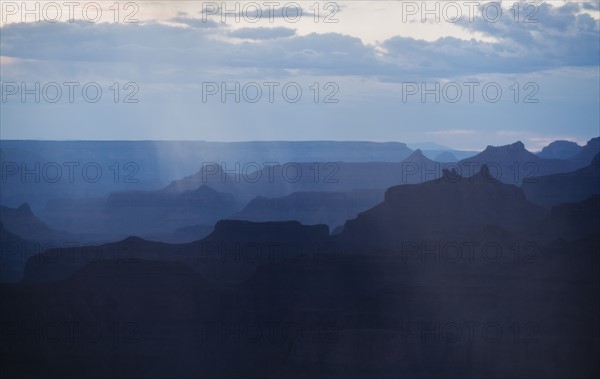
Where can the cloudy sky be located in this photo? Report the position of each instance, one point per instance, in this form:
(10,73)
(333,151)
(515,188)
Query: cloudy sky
(462,74)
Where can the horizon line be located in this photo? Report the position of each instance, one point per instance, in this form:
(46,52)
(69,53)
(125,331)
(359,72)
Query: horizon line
(442,147)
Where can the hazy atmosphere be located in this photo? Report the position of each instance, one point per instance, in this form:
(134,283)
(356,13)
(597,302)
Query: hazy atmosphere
(304,189)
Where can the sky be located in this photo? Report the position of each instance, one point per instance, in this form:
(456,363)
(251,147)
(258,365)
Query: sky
(464,74)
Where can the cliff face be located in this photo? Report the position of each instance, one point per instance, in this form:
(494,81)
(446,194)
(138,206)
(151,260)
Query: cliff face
(11,253)
(285,232)
(22,222)
(310,208)
(512,164)
(569,187)
(231,252)
(451,207)
(574,220)
(144,212)
(587,152)
(560,150)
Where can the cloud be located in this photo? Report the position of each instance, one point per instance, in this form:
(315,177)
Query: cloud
(594,6)
(554,36)
(196,22)
(262,33)
(563,37)
(251,12)
(155,45)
